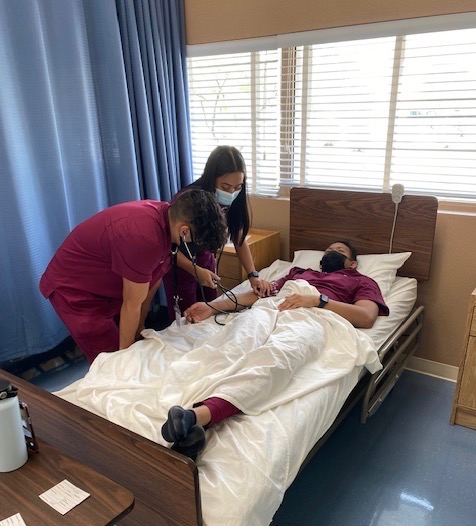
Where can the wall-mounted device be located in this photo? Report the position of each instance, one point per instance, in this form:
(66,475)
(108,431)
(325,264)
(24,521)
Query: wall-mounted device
(398,191)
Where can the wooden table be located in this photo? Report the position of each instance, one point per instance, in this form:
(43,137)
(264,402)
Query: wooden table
(164,482)
(20,489)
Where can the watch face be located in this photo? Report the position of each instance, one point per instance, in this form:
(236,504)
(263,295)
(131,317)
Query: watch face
(253,274)
(324,300)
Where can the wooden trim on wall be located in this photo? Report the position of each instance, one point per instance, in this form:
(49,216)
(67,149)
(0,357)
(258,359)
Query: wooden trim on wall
(221,20)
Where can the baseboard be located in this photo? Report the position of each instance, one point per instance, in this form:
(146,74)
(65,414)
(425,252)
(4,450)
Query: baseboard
(440,370)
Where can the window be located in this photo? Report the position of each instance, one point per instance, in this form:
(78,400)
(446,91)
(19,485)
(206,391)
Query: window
(358,114)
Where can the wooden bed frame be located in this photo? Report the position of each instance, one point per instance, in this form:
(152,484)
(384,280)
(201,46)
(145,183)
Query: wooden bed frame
(166,484)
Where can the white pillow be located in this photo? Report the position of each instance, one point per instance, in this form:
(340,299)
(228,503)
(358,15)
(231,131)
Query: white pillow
(380,267)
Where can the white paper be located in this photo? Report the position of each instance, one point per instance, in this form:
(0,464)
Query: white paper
(64,496)
(14,520)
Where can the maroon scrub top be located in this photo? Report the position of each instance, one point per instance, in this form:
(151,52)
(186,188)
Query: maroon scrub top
(130,240)
(347,285)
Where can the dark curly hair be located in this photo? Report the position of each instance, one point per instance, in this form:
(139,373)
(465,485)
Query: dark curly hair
(223,160)
(201,210)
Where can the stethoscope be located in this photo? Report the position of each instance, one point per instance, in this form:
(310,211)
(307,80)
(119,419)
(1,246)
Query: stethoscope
(227,292)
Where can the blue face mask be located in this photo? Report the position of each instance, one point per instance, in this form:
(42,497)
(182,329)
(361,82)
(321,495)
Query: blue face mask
(225,198)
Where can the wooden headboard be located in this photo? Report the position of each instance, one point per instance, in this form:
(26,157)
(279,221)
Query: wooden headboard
(320,217)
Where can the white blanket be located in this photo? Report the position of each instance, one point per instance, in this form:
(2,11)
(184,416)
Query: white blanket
(260,359)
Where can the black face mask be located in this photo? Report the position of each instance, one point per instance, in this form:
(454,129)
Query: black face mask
(332,261)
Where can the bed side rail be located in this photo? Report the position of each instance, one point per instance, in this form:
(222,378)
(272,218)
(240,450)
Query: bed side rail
(394,355)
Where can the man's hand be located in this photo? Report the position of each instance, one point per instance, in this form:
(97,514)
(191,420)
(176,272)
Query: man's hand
(207,278)
(293,301)
(198,312)
(138,332)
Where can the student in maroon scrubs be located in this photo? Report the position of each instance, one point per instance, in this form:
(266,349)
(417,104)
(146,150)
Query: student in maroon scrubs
(103,277)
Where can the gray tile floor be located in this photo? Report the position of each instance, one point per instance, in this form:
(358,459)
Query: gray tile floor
(405,467)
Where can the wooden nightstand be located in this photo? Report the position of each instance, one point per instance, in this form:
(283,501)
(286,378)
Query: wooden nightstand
(464,406)
(264,246)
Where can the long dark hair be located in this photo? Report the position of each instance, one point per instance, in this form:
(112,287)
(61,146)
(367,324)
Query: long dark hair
(224,160)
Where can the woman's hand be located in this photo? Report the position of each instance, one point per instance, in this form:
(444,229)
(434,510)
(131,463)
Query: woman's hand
(207,278)
(293,301)
(198,312)
(261,287)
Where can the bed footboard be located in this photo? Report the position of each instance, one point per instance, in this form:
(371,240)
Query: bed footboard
(394,356)
(164,483)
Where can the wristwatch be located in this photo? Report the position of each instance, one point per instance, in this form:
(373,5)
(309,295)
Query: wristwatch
(324,301)
(253,274)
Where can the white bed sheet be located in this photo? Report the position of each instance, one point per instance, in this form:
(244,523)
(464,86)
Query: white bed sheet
(250,461)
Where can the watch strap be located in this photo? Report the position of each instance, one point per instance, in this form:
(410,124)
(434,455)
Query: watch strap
(253,274)
(323,301)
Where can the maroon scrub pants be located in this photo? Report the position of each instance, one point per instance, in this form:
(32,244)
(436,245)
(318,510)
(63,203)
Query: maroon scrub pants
(93,329)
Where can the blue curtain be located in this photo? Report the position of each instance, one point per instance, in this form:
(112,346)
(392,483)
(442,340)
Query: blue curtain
(153,43)
(92,112)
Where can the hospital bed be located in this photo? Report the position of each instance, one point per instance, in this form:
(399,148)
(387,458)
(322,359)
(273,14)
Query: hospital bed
(249,461)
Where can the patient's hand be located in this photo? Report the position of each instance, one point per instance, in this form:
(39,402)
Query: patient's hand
(198,312)
(293,301)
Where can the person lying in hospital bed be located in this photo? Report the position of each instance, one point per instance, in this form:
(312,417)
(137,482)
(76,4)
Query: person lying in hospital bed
(341,289)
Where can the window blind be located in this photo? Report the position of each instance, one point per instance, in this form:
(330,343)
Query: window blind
(233,100)
(361,114)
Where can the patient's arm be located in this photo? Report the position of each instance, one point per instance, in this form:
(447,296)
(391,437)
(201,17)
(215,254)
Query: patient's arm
(361,314)
(200,311)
